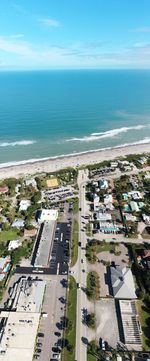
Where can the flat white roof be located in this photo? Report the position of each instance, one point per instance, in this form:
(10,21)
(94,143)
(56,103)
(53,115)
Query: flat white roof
(19,338)
(48,215)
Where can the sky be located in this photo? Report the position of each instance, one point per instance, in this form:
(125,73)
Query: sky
(70,34)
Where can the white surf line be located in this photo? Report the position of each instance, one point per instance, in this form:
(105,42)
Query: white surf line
(58,266)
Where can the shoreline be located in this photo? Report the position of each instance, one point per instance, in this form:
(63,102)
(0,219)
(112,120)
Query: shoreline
(53,164)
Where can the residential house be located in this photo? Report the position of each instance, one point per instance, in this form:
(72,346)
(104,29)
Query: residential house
(24,205)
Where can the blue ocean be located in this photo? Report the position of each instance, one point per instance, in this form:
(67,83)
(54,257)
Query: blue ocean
(50,113)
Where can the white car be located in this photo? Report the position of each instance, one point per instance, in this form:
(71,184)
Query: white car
(56,356)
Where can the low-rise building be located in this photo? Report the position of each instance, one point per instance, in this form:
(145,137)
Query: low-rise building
(96,200)
(46,215)
(19,324)
(4,266)
(134,206)
(4,190)
(24,205)
(122,283)
(14,244)
(130,324)
(29,233)
(103,184)
(18,223)
(31,182)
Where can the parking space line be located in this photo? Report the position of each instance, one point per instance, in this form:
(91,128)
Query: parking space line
(58,265)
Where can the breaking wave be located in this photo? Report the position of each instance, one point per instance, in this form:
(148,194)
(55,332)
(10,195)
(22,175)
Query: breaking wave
(107,134)
(13,144)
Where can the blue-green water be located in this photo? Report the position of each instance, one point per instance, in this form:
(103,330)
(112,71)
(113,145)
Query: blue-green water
(50,113)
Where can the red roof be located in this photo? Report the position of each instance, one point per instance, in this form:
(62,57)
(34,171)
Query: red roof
(146,253)
(4,189)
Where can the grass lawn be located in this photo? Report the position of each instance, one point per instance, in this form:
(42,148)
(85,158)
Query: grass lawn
(144,318)
(8,235)
(96,247)
(71,315)
(74,246)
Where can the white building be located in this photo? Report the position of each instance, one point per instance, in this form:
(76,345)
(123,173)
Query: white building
(103,184)
(14,244)
(108,199)
(31,182)
(24,205)
(96,200)
(47,215)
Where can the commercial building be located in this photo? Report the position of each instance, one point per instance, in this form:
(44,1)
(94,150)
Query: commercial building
(43,247)
(47,215)
(122,283)
(130,324)
(19,325)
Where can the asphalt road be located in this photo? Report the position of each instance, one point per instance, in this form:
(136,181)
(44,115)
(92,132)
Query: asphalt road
(81,331)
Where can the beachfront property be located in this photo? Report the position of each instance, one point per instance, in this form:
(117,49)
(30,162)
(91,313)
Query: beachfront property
(24,205)
(31,182)
(122,283)
(19,325)
(5,264)
(14,244)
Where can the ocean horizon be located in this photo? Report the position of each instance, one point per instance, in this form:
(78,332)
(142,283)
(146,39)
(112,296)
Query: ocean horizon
(53,113)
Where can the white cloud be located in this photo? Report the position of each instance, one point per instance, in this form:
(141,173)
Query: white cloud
(144,29)
(15,52)
(50,22)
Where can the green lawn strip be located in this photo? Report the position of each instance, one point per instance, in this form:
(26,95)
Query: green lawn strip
(71,315)
(9,235)
(75,205)
(88,230)
(145,324)
(93,286)
(74,243)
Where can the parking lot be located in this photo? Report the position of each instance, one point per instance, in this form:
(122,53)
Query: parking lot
(60,250)
(50,326)
(107,325)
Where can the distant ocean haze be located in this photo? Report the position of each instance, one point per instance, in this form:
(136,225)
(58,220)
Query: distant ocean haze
(50,113)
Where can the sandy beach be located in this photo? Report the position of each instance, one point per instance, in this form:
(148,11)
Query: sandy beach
(76,160)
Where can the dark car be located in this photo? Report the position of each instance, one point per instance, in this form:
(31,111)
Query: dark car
(58,334)
(38,350)
(40,334)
